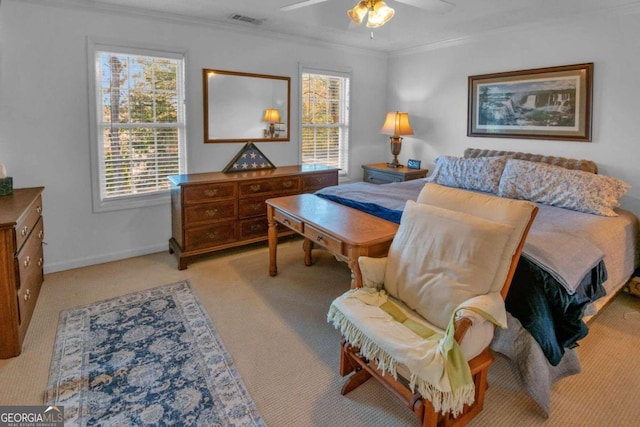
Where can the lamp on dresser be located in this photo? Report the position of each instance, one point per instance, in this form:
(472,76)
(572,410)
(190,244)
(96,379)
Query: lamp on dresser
(396,125)
(272,116)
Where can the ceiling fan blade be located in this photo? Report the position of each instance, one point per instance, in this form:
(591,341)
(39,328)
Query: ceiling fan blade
(437,6)
(300,4)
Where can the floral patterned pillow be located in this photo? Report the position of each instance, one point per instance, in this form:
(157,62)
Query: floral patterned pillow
(477,173)
(556,186)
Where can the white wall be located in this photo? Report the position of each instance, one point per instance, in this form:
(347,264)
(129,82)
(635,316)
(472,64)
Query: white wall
(431,85)
(44,121)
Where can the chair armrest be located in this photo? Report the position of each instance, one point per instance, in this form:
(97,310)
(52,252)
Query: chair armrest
(372,270)
(462,325)
(465,319)
(479,315)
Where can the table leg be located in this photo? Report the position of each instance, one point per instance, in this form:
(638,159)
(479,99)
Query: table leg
(273,241)
(356,274)
(307,245)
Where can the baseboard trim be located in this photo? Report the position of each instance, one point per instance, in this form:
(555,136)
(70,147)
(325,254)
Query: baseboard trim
(100,259)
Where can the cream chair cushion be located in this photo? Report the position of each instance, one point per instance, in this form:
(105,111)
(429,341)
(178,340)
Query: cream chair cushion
(440,258)
(507,211)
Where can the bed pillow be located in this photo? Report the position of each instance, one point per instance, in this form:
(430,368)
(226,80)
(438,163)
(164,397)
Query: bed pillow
(478,173)
(556,186)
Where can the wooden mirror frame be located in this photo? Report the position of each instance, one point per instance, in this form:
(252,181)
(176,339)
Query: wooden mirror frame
(210,137)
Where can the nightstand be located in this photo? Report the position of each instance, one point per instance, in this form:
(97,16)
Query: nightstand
(380,173)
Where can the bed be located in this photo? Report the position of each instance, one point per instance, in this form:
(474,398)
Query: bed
(581,250)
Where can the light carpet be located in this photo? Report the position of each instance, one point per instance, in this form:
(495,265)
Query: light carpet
(288,355)
(146,358)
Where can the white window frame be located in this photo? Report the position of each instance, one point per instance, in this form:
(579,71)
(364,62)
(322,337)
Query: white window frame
(346,113)
(101,204)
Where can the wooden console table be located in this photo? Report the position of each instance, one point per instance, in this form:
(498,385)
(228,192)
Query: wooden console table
(346,232)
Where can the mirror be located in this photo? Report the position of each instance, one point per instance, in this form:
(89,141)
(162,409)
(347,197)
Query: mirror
(241,107)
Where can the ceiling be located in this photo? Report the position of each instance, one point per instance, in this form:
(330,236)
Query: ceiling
(411,26)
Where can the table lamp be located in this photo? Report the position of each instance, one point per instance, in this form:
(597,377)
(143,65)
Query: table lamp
(396,124)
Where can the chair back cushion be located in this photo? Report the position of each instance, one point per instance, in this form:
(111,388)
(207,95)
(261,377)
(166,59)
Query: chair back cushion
(440,258)
(517,213)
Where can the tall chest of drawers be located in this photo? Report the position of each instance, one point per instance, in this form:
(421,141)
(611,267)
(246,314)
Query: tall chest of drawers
(21,261)
(214,211)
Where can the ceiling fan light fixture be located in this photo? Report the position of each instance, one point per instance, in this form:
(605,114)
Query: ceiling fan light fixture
(379,15)
(358,12)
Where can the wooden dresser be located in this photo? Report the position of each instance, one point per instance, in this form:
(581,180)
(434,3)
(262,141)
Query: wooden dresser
(214,211)
(21,260)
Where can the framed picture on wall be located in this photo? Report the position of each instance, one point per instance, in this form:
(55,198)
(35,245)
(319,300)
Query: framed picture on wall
(541,103)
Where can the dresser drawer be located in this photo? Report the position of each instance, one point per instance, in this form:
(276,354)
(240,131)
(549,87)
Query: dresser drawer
(25,224)
(276,185)
(256,227)
(208,192)
(376,177)
(287,220)
(207,237)
(27,298)
(322,239)
(210,212)
(30,258)
(252,207)
(312,183)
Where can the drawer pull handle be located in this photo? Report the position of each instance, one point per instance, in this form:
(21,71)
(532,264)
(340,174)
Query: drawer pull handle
(255,188)
(212,235)
(39,209)
(27,262)
(286,221)
(40,262)
(24,231)
(40,234)
(287,184)
(211,193)
(212,212)
(256,227)
(319,239)
(256,206)
(27,295)
(320,180)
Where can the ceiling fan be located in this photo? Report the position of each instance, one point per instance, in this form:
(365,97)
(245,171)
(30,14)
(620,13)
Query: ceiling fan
(377,10)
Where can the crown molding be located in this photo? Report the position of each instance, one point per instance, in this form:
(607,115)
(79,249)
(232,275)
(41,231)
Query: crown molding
(208,23)
(624,10)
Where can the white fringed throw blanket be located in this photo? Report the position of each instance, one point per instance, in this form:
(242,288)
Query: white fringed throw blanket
(389,334)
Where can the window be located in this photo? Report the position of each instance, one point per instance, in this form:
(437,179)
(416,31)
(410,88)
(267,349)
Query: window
(139,126)
(325,118)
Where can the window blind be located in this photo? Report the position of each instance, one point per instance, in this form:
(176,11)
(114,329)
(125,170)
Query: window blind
(140,123)
(325,119)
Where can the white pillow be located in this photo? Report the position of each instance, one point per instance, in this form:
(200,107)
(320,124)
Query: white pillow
(440,258)
(556,186)
(474,173)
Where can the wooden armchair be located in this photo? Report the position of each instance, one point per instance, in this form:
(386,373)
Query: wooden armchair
(425,316)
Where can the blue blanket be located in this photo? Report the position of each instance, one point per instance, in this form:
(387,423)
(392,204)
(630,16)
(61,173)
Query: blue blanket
(536,298)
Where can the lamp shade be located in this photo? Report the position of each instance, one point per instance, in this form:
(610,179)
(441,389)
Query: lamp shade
(358,12)
(379,15)
(397,124)
(271,115)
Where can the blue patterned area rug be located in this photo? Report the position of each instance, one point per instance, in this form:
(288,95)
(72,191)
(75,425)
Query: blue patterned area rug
(147,358)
